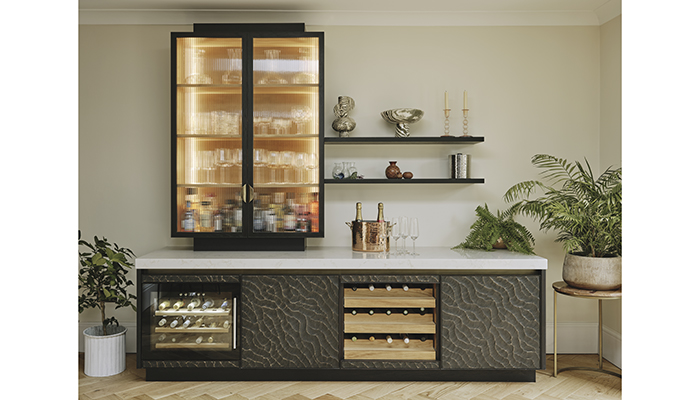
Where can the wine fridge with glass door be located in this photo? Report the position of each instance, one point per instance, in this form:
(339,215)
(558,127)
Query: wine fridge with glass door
(247,123)
(188,320)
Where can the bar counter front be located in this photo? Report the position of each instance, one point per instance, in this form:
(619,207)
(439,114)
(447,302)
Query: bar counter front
(331,313)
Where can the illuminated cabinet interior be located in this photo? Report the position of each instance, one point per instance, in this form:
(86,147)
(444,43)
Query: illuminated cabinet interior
(247,124)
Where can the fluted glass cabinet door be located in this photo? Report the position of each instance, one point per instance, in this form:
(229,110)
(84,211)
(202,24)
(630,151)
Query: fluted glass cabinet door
(491,322)
(208,129)
(289,321)
(286,142)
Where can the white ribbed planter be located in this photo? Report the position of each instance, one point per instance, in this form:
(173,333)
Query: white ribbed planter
(105,355)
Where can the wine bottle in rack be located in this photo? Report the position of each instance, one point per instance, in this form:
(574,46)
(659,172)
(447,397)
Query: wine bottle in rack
(198,322)
(175,322)
(423,339)
(388,312)
(162,322)
(199,339)
(210,339)
(406,339)
(353,312)
(389,339)
(405,288)
(388,288)
(162,337)
(358,212)
(371,338)
(178,304)
(187,322)
(226,324)
(164,304)
(380,212)
(405,312)
(208,302)
(422,311)
(370,312)
(213,325)
(354,339)
(371,287)
(224,305)
(194,303)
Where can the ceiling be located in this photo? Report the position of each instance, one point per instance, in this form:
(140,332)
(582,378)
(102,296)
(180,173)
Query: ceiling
(351,12)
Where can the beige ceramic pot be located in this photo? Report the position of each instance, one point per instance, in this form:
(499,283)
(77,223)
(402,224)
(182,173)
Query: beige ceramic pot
(593,273)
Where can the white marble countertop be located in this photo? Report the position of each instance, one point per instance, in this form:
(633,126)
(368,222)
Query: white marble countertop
(340,258)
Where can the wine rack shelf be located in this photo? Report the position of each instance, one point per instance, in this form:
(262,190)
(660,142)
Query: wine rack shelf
(181,329)
(382,298)
(388,314)
(208,346)
(379,349)
(218,312)
(411,323)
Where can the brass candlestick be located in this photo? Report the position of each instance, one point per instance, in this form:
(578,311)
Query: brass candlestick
(447,123)
(465,123)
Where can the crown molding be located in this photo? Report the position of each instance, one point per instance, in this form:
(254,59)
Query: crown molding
(354,18)
(608,11)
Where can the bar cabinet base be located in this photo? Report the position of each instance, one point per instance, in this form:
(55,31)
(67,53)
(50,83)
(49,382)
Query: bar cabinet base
(249,244)
(235,374)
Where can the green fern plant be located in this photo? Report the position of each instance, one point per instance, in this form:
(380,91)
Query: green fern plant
(586,211)
(489,228)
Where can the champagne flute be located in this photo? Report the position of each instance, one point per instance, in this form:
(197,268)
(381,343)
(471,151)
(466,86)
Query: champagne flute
(395,233)
(414,234)
(403,227)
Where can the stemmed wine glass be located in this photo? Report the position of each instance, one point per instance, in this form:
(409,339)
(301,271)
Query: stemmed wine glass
(414,234)
(403,227)
(395,233)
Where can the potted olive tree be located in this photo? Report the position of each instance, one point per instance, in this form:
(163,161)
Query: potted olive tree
(587,213)
(498,231)
(102,279)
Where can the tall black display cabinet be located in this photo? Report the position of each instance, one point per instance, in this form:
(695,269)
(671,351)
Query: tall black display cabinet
(247,128)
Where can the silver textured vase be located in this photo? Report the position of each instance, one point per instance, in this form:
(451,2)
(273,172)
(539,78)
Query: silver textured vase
(342,123)
(402,117)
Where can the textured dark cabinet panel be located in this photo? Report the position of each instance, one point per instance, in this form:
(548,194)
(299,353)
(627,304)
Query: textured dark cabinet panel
(289,321)
(490,322)
(401,365)
(190,364)
(390,278)
(191,278)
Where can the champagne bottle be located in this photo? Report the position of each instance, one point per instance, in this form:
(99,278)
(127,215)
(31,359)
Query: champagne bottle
(194,303)
(389,339)
(380,213)
(406,339)
(358,212)
(371,287)
(405,288)
(388,288)
(165,304)
(178,304)
(207,303)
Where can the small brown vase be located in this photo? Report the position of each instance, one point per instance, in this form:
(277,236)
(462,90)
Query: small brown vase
(393,171)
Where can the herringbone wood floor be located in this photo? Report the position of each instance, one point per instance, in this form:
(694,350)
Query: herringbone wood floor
(570,385)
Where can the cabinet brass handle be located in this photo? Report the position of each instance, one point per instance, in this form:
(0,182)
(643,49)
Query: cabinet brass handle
(244,193)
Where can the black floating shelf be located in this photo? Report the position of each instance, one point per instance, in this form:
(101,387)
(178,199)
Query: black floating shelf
(402,181)
(406,140)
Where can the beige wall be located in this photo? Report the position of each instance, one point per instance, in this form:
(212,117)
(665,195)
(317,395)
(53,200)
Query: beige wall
(531,90)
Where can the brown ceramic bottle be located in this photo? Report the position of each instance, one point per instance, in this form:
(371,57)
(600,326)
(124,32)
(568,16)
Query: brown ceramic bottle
(393,171)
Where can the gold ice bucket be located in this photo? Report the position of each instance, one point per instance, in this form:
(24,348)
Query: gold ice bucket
(370,236)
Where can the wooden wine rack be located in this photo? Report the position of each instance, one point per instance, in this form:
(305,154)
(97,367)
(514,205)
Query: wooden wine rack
(379,325)
(187,333)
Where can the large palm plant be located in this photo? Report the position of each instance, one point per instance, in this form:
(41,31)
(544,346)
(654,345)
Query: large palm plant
(587,212)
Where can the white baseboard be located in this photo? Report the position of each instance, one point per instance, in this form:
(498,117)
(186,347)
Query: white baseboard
(131,332)
(582,338)
(573,338)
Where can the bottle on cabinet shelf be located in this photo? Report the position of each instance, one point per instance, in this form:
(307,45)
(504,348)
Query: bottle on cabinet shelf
(163,305)
(162,322)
